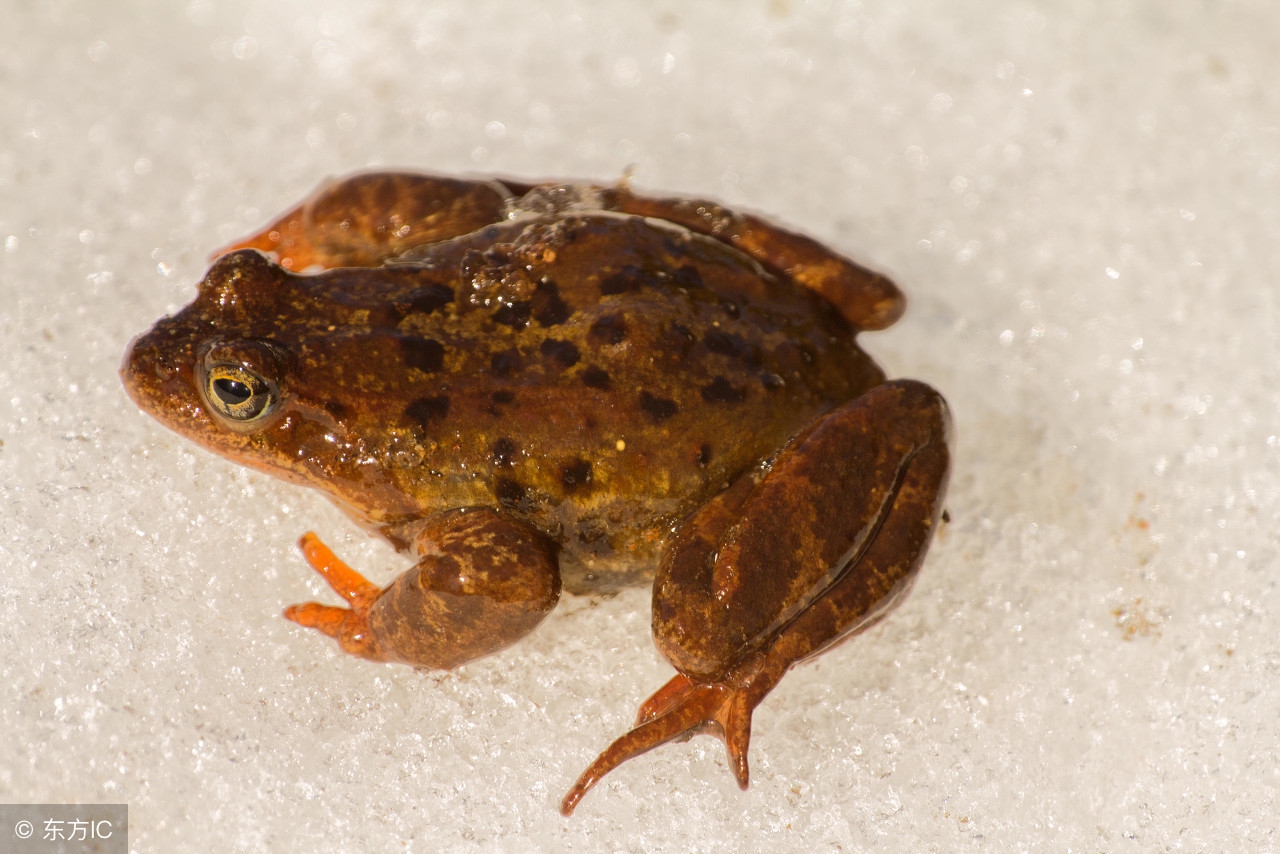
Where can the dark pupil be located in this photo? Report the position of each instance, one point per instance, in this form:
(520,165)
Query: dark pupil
(232,392)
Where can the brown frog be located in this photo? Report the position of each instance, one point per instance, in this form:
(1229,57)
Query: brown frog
(537,386)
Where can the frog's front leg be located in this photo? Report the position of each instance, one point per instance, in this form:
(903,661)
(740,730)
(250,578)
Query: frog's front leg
(483,582)
(365,219)
(779,568)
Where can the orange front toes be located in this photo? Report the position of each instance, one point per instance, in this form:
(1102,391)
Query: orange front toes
(348,626)
(344,580)
(681,708)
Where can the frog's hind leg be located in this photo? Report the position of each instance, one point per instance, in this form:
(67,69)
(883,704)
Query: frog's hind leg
(774,571)
(366,219)
(867,300)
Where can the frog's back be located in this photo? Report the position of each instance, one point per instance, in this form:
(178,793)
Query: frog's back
(611,374)
(598,375)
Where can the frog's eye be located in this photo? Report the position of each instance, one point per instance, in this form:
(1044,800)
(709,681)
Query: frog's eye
(239,394)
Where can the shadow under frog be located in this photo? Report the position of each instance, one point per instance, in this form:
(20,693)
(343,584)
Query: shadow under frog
(542,386)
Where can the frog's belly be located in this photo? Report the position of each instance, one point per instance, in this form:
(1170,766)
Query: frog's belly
(615,544)
(582,575)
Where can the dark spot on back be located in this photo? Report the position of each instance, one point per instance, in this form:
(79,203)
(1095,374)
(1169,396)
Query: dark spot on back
(424,410)
(676,340)
(503,396)
(563,353)
(734,346)
(502,452)
(657,408)
(575,474)
(513,314)
(337,410)
(719,341)
(425,354)
(610,329)
(629,278)
(688,276)
(594,377)
(506,363)
(677,247)
(704,454)
(430,299)
(548,308)
(508,492)
(720,390)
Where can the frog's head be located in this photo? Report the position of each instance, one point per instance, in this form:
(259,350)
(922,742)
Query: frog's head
(265,368)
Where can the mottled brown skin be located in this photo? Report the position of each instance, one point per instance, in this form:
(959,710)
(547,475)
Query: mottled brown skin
(537,386)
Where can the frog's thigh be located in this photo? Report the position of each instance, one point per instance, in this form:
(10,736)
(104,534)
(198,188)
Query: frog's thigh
(867,299)
(364,219)
(830,537)
(484,581)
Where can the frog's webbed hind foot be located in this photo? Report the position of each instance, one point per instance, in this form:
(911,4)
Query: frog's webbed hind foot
(682,709)
(679,711)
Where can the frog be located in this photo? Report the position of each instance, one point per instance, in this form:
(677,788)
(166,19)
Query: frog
(540,387)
